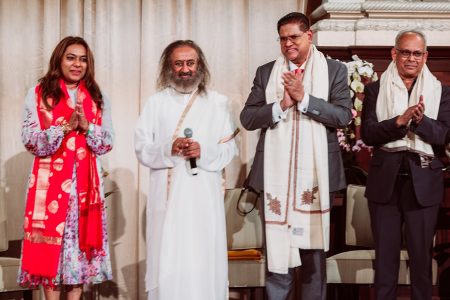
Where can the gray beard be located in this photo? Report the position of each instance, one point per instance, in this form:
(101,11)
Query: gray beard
(185,86)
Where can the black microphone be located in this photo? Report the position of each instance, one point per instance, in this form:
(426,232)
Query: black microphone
(188,133)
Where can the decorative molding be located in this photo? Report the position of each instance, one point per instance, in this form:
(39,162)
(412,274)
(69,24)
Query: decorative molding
(382,9)
(406,10)
(438,57)
(397,25)
(378,21)
(409,15)
(391,6)
(334,25)
(341,8)
(343,1)
(381,24)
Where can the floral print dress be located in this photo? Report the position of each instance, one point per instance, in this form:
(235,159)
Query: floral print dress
(74,267)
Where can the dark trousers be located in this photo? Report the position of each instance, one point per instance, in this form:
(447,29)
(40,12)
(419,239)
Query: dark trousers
(419,224)
(313,274)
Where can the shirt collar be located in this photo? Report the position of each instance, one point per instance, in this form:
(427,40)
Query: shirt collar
(293,67)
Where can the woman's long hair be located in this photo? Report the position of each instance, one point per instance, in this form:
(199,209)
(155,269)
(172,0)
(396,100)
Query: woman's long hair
(50,82)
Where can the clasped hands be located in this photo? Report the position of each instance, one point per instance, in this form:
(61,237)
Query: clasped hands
(186,147)
(78,120)
(293,89)
(413,113)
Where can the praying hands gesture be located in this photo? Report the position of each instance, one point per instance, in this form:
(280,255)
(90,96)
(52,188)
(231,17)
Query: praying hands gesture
(77,120)
(293,89)
(83,123)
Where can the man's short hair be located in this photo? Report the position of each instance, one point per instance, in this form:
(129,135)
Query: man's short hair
(294,18)
(410,31)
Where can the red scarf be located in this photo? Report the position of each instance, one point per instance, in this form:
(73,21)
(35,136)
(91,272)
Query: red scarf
(50,185)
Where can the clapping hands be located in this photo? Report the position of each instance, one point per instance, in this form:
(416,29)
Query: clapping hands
(413,113)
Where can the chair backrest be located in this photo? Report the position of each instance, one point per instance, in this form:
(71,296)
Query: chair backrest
(357,218)
(3,232)
(11,217)
(243,231)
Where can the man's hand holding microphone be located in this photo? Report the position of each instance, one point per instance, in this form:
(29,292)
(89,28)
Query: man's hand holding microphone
(187,148)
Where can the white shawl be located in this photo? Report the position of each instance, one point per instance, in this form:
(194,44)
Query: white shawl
(393,101)
(296,186)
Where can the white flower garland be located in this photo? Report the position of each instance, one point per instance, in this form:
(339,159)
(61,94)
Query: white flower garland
(359,73)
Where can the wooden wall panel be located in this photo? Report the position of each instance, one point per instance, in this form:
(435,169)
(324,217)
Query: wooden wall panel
(380,56)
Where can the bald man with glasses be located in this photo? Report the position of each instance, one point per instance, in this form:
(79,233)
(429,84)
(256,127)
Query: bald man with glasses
(406,119)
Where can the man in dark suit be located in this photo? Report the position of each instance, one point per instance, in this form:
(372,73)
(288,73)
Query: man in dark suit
(406,118)
(308,103)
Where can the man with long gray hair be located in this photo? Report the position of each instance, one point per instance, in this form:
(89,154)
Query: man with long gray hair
(186,137)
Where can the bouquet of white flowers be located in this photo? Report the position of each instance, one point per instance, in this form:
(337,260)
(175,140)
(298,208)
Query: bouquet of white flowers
(360,73)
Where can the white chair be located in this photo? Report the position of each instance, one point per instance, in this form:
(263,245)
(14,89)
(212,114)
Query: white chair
(244,232)
(357,266)
(9,266)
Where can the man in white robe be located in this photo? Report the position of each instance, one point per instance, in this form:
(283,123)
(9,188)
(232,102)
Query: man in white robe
(186,237)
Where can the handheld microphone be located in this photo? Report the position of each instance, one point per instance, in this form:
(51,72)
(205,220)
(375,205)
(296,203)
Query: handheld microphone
(188,134)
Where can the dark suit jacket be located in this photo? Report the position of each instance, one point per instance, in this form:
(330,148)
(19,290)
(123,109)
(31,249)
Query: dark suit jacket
(384,166)
(336,113)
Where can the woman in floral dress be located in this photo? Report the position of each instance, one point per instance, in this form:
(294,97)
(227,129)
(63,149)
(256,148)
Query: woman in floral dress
(66,126)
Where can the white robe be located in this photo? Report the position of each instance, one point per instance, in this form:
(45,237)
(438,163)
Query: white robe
(186,235)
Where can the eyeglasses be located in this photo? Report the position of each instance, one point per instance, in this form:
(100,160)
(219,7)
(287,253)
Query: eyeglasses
(292,38)
(406,53)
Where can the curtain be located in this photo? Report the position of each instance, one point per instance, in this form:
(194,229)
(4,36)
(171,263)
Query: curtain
(127,38)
